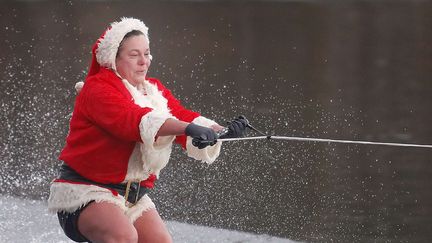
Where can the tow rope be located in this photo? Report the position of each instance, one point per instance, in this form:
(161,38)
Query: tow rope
(322,140)
(325,140)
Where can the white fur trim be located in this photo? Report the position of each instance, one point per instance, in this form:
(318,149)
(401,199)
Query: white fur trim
(144,204)
(207,154)
(152,155)
(135,169)
(109,44)
(147,94)
(155,154)
(68,197)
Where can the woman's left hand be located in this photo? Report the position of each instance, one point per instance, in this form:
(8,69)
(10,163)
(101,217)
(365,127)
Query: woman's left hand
(236,128)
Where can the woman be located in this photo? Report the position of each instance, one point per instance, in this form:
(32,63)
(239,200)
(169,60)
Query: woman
(120,137)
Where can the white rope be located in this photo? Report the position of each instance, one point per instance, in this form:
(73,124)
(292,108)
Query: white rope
(327,141)
(239,139)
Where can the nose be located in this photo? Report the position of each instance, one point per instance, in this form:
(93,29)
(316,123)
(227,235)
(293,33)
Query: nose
(141,60)
(144,60)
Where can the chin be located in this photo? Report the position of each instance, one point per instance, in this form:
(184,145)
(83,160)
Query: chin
(140,79)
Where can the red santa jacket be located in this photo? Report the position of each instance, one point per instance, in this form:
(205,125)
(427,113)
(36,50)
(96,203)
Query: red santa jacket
(105,127)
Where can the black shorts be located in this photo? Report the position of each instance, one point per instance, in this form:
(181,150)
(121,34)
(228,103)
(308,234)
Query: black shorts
(69,224)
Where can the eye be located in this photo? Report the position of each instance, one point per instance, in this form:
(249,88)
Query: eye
(148,55)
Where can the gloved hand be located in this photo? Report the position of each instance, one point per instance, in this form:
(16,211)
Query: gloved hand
(236,128)
(201,136)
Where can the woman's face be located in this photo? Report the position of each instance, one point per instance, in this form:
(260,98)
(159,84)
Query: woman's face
(133,59)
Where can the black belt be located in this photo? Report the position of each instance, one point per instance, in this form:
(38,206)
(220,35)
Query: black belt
(132,191)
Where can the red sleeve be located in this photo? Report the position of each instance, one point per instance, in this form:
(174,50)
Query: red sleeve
(176,108)
(105,106)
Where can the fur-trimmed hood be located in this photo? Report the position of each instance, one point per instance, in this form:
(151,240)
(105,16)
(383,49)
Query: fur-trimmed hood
(109,43)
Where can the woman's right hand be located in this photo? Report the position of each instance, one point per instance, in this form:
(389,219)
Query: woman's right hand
(201,136)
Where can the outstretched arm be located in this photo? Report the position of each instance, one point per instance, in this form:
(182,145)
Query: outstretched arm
(172,127)
(176,127)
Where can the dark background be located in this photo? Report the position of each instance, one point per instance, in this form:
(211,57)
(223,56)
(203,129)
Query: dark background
(330,69)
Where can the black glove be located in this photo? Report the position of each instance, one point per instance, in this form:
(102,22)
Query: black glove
(236,128)
(201,136)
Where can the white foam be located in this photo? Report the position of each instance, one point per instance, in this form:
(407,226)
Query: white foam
(28,221)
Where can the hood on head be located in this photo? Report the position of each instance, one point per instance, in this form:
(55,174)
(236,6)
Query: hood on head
(105,49)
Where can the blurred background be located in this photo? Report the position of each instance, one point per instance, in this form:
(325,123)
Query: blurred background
(356,70)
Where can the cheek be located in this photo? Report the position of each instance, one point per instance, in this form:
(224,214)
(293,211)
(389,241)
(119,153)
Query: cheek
(123,65)
(123,68)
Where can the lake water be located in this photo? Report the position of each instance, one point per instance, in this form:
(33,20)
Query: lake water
(355,70)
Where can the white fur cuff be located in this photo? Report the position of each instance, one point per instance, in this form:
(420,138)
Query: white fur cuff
(207,154)
(155,153)
(150,125)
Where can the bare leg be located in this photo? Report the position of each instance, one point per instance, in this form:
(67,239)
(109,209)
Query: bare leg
(151,228)
(106,222)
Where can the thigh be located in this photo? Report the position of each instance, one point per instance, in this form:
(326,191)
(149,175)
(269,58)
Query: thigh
(106,222)
(69,223)
(151,228)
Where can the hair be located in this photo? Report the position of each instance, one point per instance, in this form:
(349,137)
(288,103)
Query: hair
(128,35)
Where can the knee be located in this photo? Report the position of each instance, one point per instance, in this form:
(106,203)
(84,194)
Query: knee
(164,237)
(121,235)
(156,236)
(130,236)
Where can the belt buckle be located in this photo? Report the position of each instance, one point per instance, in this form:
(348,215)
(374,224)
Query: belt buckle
(128,188)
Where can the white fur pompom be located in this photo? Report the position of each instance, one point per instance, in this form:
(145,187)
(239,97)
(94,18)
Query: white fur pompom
(79,86)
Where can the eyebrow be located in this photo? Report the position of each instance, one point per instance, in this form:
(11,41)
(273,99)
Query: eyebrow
(148,49)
